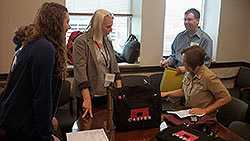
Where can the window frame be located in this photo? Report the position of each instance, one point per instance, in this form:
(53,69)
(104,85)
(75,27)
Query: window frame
(201,24)
(129,20)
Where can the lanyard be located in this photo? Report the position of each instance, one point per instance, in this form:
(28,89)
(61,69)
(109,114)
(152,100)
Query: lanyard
(105,56)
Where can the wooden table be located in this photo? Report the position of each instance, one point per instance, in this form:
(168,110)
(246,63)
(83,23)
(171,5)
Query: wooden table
(103,119)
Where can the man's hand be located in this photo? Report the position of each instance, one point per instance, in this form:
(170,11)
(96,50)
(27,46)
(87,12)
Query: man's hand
(164,63)
(87,104)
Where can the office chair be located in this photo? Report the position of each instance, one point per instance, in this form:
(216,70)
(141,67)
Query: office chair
(236,110)
(241,128)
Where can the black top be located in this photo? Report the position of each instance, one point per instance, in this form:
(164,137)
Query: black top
(28,102)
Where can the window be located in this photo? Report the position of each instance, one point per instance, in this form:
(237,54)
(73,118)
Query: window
(81,12)
(174,19)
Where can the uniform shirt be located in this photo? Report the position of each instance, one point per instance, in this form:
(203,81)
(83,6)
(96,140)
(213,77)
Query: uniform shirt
(202,89)
(185,40)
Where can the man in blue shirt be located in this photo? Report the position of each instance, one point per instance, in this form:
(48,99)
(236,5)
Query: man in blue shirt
(193,35)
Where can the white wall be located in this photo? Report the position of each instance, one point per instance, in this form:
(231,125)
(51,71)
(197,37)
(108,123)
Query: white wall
(136,20)
(211,22)
(13,14)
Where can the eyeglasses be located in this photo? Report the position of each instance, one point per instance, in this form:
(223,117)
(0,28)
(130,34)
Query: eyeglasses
(110,15)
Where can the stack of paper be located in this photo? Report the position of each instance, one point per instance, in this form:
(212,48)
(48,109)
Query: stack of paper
(88,135)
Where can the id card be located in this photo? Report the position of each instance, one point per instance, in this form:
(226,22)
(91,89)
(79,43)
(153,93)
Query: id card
(109,78)
(194,44)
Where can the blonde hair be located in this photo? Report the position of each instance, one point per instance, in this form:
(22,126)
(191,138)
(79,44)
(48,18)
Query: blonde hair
(96,24)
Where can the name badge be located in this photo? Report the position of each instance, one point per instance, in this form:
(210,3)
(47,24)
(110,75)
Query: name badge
(109,78)
(194,44)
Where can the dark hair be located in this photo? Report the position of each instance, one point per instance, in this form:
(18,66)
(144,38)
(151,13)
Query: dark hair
(24,34)
(195,12)
(49,23)
(194,56)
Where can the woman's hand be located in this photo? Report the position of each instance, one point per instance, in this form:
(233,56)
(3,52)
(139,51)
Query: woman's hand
(55,123)
(174,93)
(55,138)
(87,104)
(163,94)
(118,83)
(198,111)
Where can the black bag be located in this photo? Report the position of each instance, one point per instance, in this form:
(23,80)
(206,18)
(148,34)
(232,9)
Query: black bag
(119,57)
(71,40)
(131,49)
(136,107)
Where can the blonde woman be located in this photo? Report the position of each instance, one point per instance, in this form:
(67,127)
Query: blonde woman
(94,59)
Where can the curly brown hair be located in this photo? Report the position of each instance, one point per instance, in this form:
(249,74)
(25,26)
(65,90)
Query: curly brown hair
(24,34)
(48,23)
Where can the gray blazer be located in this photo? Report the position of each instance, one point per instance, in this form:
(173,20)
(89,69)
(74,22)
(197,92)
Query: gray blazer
(85,63)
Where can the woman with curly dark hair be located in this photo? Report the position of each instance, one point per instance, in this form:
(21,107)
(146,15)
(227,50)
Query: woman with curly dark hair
(28,102)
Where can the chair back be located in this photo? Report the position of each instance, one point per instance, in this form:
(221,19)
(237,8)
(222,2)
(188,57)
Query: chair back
(236,110)
(243,79)
(155,80)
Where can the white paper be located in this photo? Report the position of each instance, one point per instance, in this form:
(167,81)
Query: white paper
(183,113)
(163,125)
(88,135)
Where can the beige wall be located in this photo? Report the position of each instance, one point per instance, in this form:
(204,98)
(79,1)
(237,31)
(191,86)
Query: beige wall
(233,41)
(248,49)
(152,32)
(13,14)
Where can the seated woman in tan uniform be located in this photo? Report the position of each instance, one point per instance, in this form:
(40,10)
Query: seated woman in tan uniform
(203,91)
